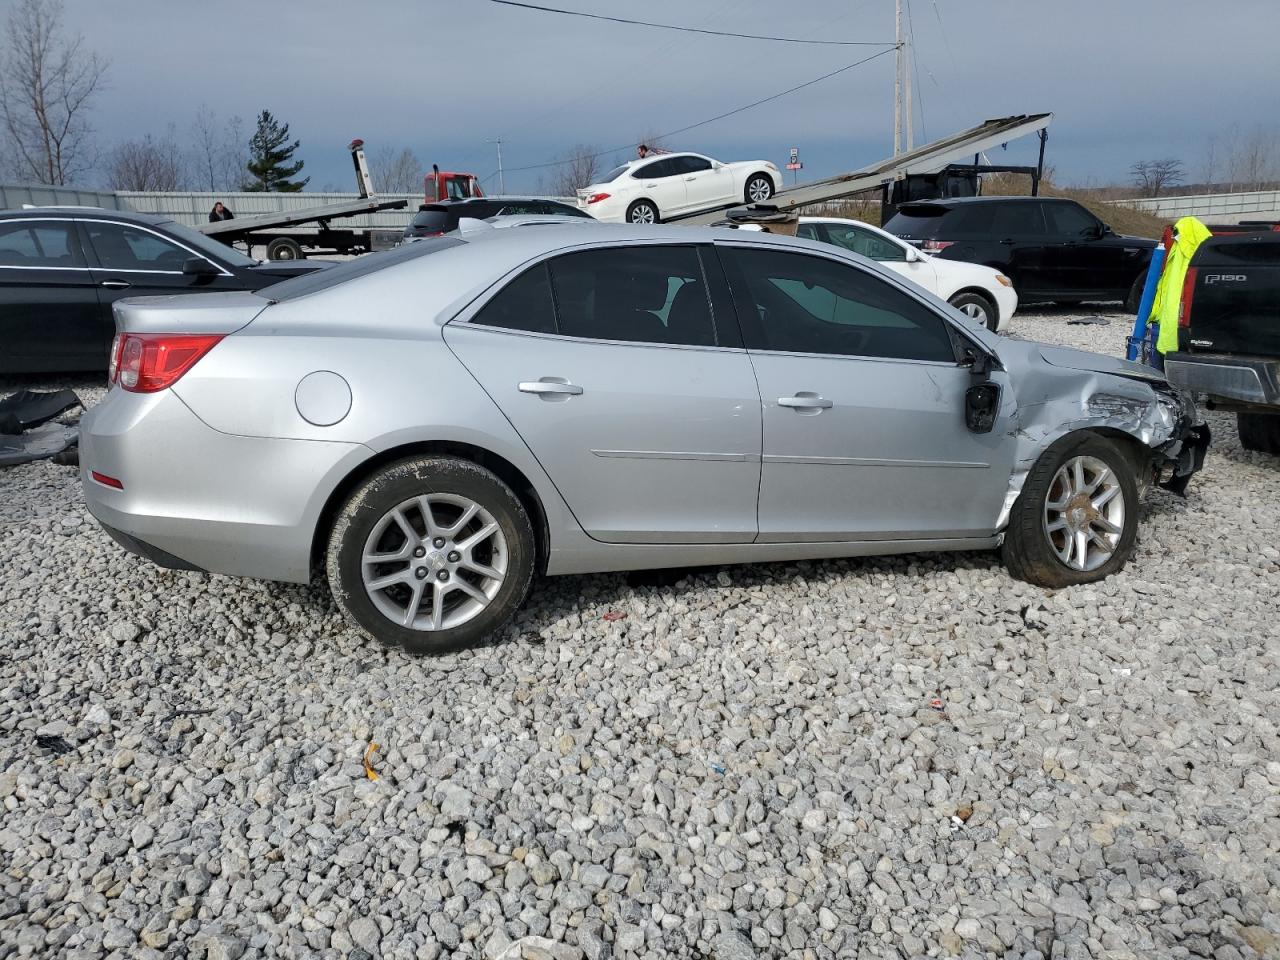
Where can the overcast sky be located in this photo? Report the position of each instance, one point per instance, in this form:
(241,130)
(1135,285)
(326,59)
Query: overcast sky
(1120,76)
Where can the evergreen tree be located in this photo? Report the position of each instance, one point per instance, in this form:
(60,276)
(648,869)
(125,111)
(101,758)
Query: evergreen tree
(270,152)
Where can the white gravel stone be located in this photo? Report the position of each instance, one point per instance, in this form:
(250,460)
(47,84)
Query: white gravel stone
(747,765)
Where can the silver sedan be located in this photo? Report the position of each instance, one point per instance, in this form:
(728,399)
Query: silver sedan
(434,425)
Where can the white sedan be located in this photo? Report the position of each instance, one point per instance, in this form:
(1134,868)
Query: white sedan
(671,184)
(984,294)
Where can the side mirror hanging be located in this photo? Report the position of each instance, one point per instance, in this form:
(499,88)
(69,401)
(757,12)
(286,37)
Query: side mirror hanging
(981,404)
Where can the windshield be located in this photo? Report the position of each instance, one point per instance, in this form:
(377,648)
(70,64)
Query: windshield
(310,283)
(214,248)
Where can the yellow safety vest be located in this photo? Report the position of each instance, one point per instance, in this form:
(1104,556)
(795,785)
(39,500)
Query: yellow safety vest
(1189,233)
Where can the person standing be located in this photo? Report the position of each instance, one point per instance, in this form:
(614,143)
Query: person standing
(220,212)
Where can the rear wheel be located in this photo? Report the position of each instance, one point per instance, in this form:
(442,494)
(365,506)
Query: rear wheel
(1076,519)
(642,211)
(976,307)
(431,554)
(284,248)
(1259,431)
(759,188)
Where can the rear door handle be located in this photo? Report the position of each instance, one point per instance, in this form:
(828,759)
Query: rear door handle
(805,401)
(550,387)
(116,284)
(691,176)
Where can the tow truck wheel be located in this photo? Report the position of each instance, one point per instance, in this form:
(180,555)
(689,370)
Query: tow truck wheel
(284,248)
(1260,432)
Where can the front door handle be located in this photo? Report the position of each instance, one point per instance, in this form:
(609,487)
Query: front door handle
(550,387)
(805,401)
(116,284)
(691,176)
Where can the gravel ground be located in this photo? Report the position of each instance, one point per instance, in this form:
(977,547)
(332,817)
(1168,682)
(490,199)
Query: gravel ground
(908,757)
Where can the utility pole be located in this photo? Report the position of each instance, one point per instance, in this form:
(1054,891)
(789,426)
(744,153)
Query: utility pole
(907,54)
(502,180)
(897,82)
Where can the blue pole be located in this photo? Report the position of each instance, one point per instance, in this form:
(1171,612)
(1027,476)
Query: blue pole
(1148,299)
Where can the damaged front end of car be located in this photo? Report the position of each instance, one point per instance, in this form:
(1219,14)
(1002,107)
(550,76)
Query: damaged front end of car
(1061,391)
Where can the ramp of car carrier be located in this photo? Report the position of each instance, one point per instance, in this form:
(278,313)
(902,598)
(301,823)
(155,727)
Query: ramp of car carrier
(929,158)
(288,218)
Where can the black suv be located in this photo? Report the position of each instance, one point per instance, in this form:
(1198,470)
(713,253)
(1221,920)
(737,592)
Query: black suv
(1052,249)
(442,216)
(61,269)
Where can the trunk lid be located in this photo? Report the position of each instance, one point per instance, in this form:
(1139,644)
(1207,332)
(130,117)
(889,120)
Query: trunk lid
(220,313)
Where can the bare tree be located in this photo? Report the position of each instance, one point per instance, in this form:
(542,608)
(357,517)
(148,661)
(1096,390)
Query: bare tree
(147,164)
(1209,165)
(394,172)
(47,82)
(219,154)
(1152,176)
(1251,161)
(577,168)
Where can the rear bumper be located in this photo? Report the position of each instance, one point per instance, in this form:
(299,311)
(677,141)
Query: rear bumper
(1226,376)
(195,498)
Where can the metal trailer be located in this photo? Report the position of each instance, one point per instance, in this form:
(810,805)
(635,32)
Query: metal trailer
(932,158)
(279,233)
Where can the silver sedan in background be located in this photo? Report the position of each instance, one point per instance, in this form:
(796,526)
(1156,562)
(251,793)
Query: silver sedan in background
(433,425)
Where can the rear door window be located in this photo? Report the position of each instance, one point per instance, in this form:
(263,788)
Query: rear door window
(1025,219)
(39,243)
(656,170)
(863,241)
(642,294)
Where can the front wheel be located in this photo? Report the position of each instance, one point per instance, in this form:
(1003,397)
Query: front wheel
(1076,519)
(431,554)
(976,307)
(759,188)
(642,211)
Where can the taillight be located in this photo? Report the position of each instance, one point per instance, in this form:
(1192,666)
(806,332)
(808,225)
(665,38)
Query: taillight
(597,197)
(113,366)
(147,362)
(1188,291)
(934,246)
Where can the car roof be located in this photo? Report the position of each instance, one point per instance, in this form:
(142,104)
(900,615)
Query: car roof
(86,213)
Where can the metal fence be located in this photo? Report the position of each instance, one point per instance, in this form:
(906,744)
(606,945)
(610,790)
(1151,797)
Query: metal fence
(1219,207)
(14,196)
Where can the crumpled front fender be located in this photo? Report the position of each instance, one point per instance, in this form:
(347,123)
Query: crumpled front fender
(1054,399)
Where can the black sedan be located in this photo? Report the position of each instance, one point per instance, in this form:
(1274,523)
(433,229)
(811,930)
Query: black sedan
(434,219)
(1052,248)
(61,269)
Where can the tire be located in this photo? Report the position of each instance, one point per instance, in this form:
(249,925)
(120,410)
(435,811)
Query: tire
(643,211)
(1259,432)
(978,307)
(448,578)
(758,189)
(1134,299)
(284,248)
(1034,554)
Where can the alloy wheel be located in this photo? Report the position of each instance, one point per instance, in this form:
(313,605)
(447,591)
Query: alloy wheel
(759,190)
(643,213)
(434,562)
(1084,513)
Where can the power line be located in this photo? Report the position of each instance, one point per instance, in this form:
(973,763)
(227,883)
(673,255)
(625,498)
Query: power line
(730,113)
(668,26)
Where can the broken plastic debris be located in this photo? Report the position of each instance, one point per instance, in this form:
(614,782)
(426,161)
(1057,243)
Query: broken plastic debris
(55,745)
(937,704)
(368,761)
(1100,321)
(613,615)
(29,408)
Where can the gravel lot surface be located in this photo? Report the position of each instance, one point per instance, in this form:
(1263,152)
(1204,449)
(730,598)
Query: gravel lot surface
(909,757)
